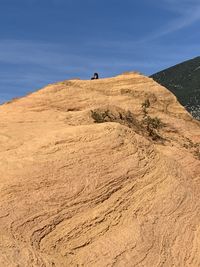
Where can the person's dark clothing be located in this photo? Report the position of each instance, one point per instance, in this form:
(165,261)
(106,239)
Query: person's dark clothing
(95,77)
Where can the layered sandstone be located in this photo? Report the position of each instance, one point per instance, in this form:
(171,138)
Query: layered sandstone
(75,192)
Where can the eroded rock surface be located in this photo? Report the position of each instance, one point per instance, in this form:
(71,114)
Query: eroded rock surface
(75,192)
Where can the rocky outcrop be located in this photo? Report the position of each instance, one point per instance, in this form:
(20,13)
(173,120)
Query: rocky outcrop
(83,183)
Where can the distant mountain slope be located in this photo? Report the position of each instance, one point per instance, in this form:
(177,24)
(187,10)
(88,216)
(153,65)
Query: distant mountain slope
(184,81)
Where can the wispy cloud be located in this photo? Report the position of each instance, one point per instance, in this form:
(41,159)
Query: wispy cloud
(183,14)
(186,13)
(38,53)
(48,58)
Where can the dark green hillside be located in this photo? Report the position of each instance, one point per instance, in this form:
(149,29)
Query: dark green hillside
(184,81)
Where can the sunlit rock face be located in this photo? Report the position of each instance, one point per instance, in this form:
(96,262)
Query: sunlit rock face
(99,173)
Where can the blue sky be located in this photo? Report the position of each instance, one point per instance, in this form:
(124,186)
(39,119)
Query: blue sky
(44,41)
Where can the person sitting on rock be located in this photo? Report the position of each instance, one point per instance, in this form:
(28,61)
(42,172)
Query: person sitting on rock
(95,77)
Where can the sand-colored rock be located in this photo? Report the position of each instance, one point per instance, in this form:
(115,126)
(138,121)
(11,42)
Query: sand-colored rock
(78,193)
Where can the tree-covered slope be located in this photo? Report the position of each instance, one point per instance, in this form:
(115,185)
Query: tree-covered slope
(184,81)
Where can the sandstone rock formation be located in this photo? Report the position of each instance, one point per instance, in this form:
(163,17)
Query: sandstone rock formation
(75,192)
